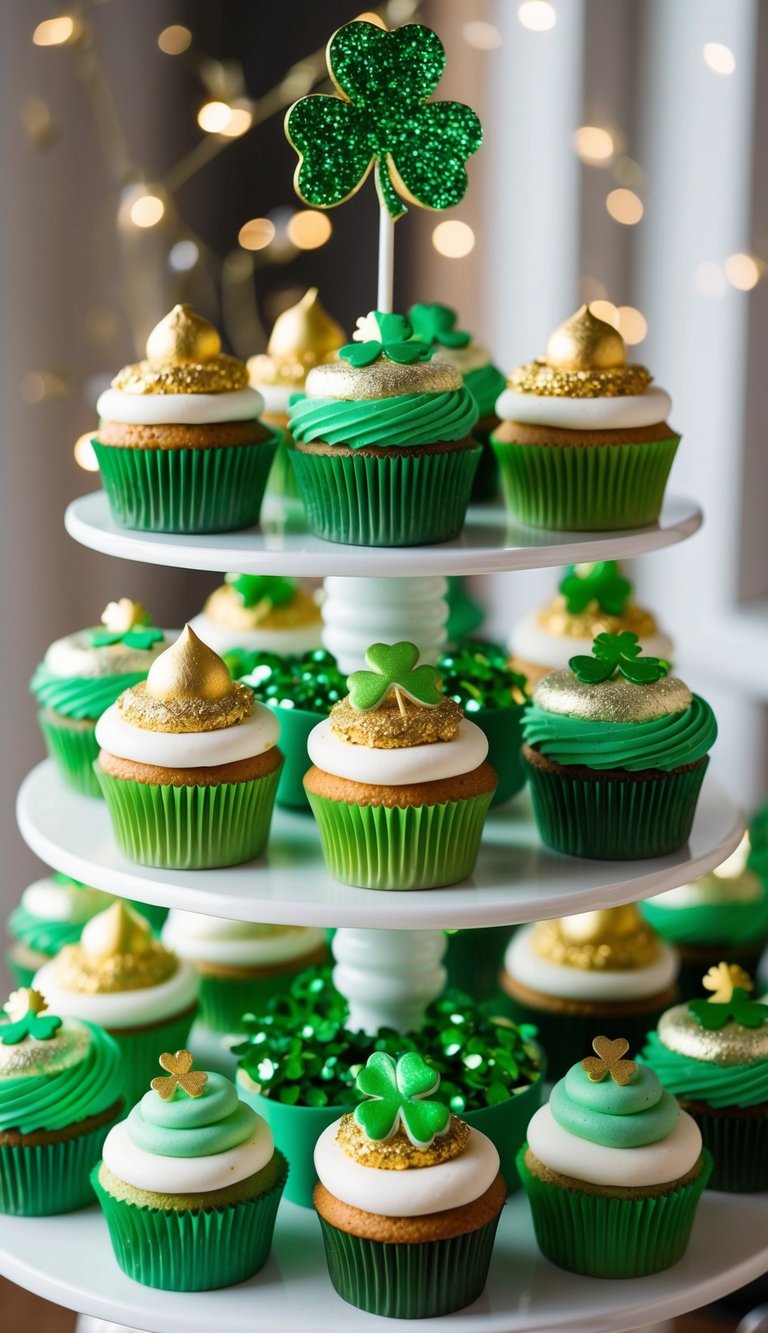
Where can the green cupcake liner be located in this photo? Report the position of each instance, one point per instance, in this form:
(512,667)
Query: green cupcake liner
(612,818)
(410,500)
(141,1048)
(224,1000)
(486,482)
(474,959)
(401,1281)
(186,490)
(566,1037)
(506,1125)
(190,828)
(594,488)
(282,478)
(295,726)
(23,976)
(602,1237)
(296,1130)
(419,847)
(503,728)
(738,1143)
(190,1250)
(73,751)
(50,1178)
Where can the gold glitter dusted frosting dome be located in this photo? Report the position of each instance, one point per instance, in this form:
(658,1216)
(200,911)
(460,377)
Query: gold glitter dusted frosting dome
(183,356)
(304,336)
(188,688)
(585,358)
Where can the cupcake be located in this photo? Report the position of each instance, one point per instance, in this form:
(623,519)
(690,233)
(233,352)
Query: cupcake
(188,763)
(52,913)
(613,1169)
(436,325)
(240,963)
(304,336)
(409,1196)
(383,453)
(399,785)
(616,752)
(260,613)
(60,1090)
(584,442)
(592,599)
(190,1183)
(478,677)
(180,446)
(605,969)
(119,976)
(721,915)
(712,1054)
(81,675)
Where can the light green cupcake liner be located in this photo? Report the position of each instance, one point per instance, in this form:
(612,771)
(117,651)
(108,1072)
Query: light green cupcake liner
(186,490)
(191,1250)
(73,751)
(594,488)
(190,828)
(612,818)
(141,1048)
(419,847)
(619,1238)
(44,1179)
(23,976)
(410,500)
(738,1142)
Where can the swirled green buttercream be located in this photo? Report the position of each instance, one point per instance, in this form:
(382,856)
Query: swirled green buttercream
(626,1116)
(723,923)
(186,1126)
(81,697)
(705,1081)
(62,1096)
(485,383)
(408,419)
(41,935)
(662,742)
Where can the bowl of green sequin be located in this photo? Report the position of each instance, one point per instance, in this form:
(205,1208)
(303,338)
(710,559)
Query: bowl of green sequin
(477,675)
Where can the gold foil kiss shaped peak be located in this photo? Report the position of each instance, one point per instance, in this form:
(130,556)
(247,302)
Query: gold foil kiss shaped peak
(118,931)
(585,342)
(305,332)
(183,338)
(189,670)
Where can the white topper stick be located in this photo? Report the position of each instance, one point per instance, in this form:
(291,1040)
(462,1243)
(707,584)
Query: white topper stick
(386,261)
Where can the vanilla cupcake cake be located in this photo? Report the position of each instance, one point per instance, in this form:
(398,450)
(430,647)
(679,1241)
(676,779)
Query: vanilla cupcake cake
(258,613)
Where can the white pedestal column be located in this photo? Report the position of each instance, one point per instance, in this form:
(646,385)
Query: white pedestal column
(388,977)
(358,612)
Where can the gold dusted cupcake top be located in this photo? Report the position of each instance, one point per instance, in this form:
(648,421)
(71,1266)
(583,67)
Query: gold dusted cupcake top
(395,704)
(183,356)
(614,939)
(304,335)
(400,1127)
(262,601)
(188,688)
(726,1029)
(116,952)
(585,358)
(398,1153)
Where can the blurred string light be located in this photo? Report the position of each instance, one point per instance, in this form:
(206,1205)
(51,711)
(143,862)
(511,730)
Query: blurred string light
(64,30)
(483,36)
(40,386)
(256,234)
(537,15)
(174,40)
(183,256)
(453,240)
(743,271)
(308,229)
(230,119)
(630,322)
(719,57)
(85,455)
(624,206)
(594,145)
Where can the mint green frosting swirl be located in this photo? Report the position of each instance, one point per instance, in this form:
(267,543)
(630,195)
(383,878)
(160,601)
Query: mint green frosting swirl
(729,924)
(52,1101)
(705,1081)
(485,383)
(661,742)
(41,935)
(627,1116)
(407,419)
(187,1126)
(80,697)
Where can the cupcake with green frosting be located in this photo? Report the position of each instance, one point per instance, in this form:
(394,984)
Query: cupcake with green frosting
(613,1169)
(712,1054)
(383,448)
(61,1088)
(616,750)
(52,913)
(190,1183)
(83,674)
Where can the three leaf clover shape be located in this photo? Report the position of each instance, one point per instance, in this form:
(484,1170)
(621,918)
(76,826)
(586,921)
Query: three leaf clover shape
(180,1075)
(382,116)
(381,334)
(27,1017)
(612,653)
(730,985)
(393,668)
(601,583)
(128,623)
(254,588)
(398,1092)
(437,324)
(609,1059)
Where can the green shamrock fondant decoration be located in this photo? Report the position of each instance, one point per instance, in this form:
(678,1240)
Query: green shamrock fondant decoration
(27,1018)
(255,588)
(617,653)
(398,1092)
(381,334)
(601,583)
(126,622)
(133,638)
(437,324)
(382,117)
(730,1000)
(393,668)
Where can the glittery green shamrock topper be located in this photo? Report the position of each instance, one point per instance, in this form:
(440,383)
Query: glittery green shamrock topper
(384,335)
(612,653)
(398,1092)
(437,324)
(730,1001)
(382,116)
(27,1017)
(255,588)
(128,623)
(393,669)
(600,582)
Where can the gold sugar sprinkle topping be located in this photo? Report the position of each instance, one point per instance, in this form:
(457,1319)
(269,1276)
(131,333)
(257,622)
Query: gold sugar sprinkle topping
(615,700)
(225,607)
(382,379)
(117,951)
(188,688)
(610,939)
(398,1153)
(304,336)
(557,620)
(386,728)
(732,1044)
(545,381)
(183,356)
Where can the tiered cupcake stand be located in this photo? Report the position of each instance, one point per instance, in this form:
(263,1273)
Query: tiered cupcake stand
(384,973)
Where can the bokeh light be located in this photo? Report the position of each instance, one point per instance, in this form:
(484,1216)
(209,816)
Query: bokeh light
(256,234)
(719,57)
(453,240)
(60,31)
(308,229)
(633,326)
(537,15)
(483,36)
(85,456)
(146,210)
(183,256)
(743,271)
(593,145)
(174,40)
(624,206)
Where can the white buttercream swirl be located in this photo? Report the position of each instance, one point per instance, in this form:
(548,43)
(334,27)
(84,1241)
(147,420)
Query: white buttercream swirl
(385,768)
(114,1010)
(75,655)
(223,638)
(533,644)
(183,409)
(212,939)
(635,1168)
(188,749)
(277,396)
(524,964)
(49,900)
(186,1175)
(619,413)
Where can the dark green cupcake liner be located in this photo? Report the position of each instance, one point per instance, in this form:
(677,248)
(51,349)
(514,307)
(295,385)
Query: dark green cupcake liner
(612,818)
(401,1281)
(186,490)
(486,483)
(44,1179)
(282,478)
(619,1238)
(73,751)
(190,1250)
(410,500)
(224,1000)
(738,1142)
(419,847)
(593,488)
(190,828)
(567,1037)
(474,959)
(503,728)
(141,1048)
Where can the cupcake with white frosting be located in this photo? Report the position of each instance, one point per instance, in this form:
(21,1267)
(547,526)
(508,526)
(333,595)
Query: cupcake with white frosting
(584,442)
(399,783)
(189,763)
(190,1182)
(120,976)
(605,969)
(241,964)
(52,913)
(180,445)
(613,1169)
(409,1196)
(81,675)
(260,613)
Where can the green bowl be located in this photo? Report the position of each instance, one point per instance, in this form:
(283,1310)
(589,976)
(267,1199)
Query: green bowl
(296,1130)
(295,726)
(503,730)
(506,1125)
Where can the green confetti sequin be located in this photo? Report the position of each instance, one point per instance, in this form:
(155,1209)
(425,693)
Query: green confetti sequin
(475,674)
(311,682)
(617,653)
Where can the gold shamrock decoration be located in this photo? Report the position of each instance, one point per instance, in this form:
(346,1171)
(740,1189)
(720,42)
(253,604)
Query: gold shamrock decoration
(723,979)
(608,1059)
(181,1075)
